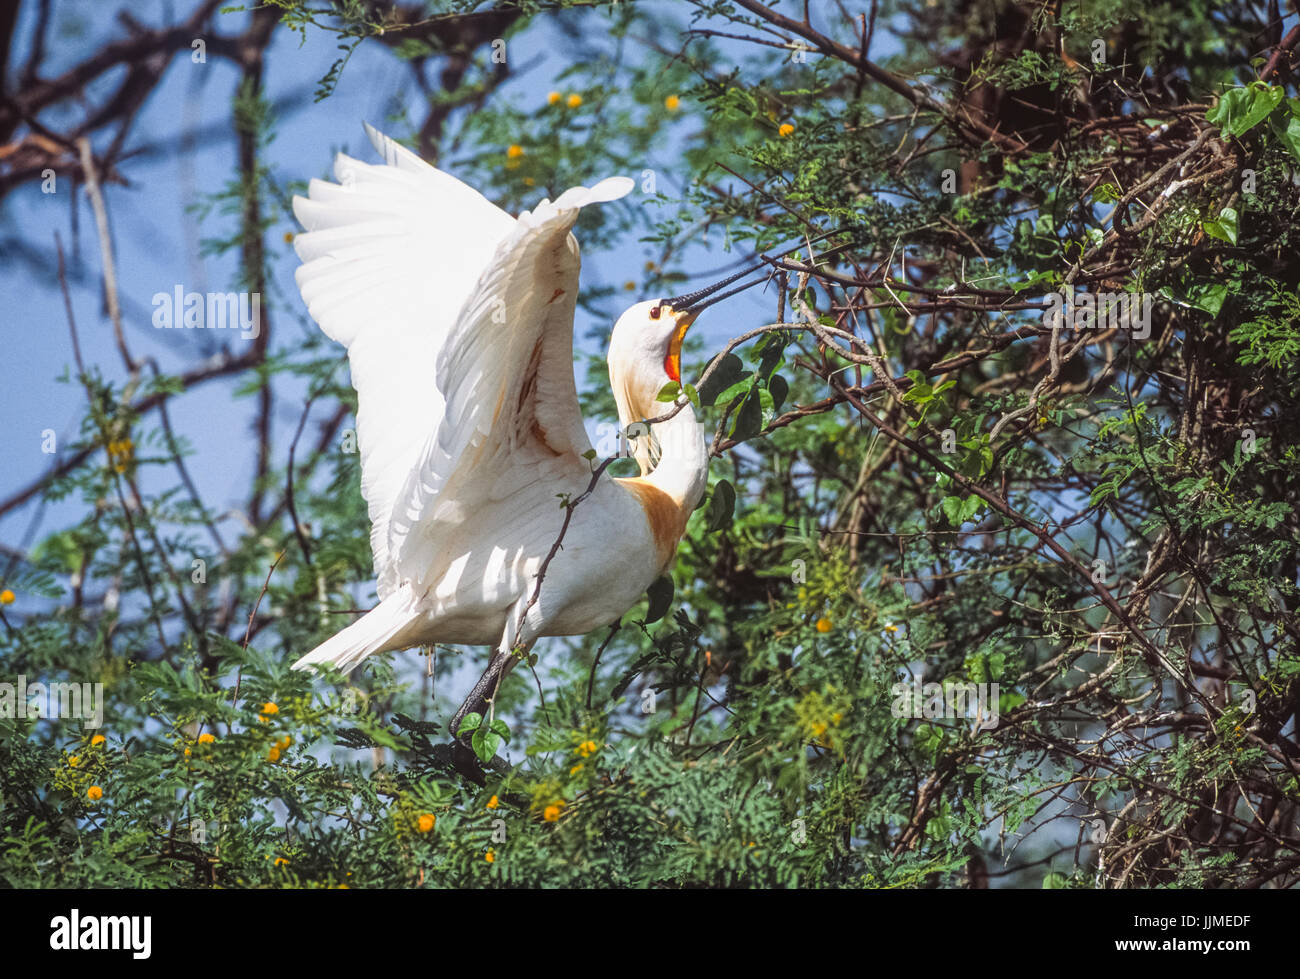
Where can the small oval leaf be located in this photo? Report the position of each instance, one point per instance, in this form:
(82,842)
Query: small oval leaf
(728,372)
(722,506)
(661,599)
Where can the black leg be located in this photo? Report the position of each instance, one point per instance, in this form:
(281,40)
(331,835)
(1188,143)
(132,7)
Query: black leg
(484,690)
(463,758)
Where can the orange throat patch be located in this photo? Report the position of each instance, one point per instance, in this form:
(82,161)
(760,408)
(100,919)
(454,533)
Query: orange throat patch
(673,359)
(664,515)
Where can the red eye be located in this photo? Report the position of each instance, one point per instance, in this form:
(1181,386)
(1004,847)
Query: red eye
(654,313)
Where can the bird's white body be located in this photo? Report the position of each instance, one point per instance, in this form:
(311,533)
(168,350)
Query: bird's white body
(458,321)
(608,559)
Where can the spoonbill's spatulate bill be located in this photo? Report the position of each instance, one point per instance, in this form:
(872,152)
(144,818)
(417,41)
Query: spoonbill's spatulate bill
(458,322)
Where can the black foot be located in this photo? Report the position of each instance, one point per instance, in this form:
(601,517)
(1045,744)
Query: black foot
(460,758)
(466,762)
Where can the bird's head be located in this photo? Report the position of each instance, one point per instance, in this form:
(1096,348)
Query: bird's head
(645,353)
(645,349)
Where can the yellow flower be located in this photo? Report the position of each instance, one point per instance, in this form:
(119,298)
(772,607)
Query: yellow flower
(281,862)
(529,182)
(94,793)
(573,101)
(818,729)
(553,98)
(427,820)
(493,802)
(119,453)
(187,752)
(552,812)
(284,742)
(823,624)
(672,103)
(890,627)
(575,769)
(206,738)
(629,285)
(514,150)
(587,749)
(272,755)
(785,130)
(6,597)
(490,856)
(837,717)
(73,761)
(97,740)
(268,710)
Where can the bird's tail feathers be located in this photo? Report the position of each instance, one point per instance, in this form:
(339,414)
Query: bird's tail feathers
(378,630)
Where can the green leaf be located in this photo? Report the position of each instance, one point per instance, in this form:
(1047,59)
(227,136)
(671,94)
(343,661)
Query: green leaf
(1009,701)
(1050,278)
(780,388)
(749,419)
(500,727)
(1240,110)
(1225,228)
(728,372)
(959,510)
(951,507)
(1203,294)
(774,352)
(737,390)
(1208,296)
(60,549)
(470,722)
(920,391)
(669,392)
(485,743)
(661,598)
(722,506)
(1286,127)
(1107,193)
(928,737)
(767,404)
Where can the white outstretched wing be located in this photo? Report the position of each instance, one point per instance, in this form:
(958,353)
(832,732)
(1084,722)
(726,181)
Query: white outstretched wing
(512,418)
(458,324)
(390,254)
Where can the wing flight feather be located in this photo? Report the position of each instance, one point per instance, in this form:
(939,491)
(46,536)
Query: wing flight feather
(458,322)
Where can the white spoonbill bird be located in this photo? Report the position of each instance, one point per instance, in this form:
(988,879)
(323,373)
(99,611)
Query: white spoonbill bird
(458,322)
